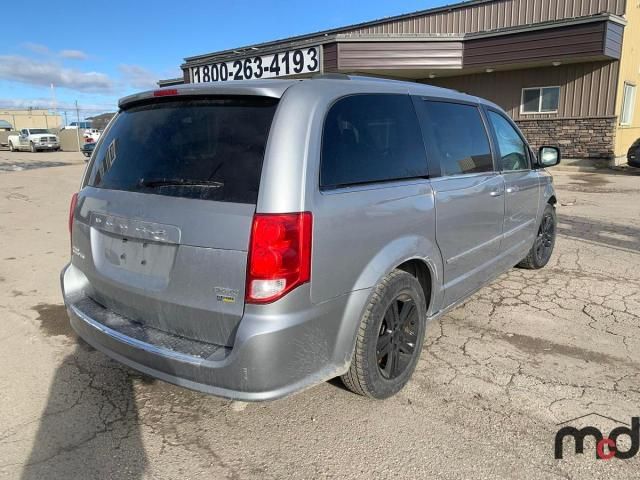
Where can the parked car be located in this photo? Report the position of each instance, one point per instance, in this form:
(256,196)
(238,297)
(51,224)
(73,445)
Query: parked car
(270,235)
(87,149)
(633,155)
(34,139)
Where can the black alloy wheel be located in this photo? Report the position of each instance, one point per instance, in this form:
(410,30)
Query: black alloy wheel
(542,248)
(397,337)
(546,238)
(389,338)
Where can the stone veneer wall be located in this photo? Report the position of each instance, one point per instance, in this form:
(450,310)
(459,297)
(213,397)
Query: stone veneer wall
(577,137)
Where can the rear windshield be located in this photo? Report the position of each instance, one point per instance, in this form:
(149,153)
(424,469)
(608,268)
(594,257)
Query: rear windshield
(209,149)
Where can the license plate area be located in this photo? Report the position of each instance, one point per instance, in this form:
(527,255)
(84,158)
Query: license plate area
(135,253)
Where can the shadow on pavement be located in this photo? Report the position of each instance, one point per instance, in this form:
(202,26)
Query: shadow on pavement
(625,237)
(90,426)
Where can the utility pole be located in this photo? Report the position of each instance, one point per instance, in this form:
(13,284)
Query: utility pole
(78,126)
(53,94)
(66,122)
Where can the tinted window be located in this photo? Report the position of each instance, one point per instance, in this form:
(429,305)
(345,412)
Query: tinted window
(457,137)
(210,149)
(371,138)
(513,151)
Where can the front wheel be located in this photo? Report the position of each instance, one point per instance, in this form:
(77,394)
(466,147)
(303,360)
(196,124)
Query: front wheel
(33,148)
(11,148)
(389,339)
(542,248)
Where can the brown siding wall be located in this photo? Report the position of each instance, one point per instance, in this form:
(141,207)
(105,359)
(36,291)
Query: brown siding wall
(483,16)
(492,15)
(405,55)
(586,89)
(613,39)
(587,40)
(330,57)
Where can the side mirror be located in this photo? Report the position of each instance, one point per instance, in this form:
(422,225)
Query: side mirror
(548,156)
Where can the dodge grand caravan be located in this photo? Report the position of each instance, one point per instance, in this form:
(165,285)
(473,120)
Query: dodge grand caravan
(252,239)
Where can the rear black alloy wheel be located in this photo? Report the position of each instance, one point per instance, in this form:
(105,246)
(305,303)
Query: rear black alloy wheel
(390,337)
(397,337)
(545,240)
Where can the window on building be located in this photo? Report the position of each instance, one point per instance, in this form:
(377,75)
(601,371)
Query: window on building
(513,151)
(540,100)
(628,104)
(371,138)
(456,136)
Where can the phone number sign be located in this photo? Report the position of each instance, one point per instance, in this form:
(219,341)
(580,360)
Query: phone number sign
(281,64)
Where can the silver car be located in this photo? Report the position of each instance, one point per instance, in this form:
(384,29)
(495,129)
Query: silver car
(252,239)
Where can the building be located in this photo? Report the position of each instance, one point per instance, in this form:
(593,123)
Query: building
(566,71)
(100,121)
(170,82)
(31,118)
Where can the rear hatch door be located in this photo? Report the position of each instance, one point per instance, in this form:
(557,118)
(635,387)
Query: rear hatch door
(163,223)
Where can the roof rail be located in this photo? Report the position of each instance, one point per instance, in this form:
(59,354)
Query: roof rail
(334,76)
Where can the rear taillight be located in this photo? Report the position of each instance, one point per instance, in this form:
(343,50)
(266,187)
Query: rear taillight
(72,209)
(279,257)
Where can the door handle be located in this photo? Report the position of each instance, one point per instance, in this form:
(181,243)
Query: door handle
(496,193)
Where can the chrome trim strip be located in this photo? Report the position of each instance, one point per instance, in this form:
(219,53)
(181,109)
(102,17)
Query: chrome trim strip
(128,227)
(474,249)
(522,226)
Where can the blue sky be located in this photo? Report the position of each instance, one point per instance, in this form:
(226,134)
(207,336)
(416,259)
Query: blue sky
(98,52)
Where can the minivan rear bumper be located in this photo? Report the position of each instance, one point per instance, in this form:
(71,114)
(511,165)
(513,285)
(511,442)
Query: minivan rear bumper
(278,349)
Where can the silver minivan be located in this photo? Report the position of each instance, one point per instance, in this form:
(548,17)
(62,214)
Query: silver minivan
(252,239)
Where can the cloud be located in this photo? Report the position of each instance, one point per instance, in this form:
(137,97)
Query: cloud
(44,73)
(73,54)
(138,77)
(37,48)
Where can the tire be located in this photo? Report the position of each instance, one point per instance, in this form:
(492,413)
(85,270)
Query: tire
(372,373)
(542,247)
(33,148)
(11,149)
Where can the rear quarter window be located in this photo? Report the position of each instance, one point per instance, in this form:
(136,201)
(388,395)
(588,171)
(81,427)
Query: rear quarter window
(371,138)
(210,149)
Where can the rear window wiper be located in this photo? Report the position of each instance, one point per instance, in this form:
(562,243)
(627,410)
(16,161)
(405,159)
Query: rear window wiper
(178,182)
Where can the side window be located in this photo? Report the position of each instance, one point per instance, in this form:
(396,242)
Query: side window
(371,138)
(456,135)
(513,150)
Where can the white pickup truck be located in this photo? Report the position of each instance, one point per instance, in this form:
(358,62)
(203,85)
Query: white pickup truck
(34,139)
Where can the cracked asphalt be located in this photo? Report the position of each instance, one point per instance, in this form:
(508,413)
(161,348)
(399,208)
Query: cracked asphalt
(529,351)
